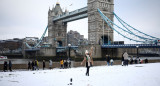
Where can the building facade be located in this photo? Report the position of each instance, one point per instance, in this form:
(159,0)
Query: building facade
(75,38)
(98,32)
(57,31)
(11,46)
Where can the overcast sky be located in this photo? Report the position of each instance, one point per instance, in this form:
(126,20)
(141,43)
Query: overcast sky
(29,18)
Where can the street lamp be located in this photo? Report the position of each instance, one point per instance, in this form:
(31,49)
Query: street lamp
(69,46)
(137,51)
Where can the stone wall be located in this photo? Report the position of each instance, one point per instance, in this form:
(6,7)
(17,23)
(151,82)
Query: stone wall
(74,64)
(25,66)
(55,65)
(47,52)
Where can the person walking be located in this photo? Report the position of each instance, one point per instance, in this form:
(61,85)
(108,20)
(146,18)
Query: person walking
(33,67)
(125,55)
(61,63)
(29,65)
(69,63)
(138,60)
(88,60)
(131,60)
(44,64)
(50,64)
(141,61)
(5,66)
(65,63)
(135,61)
(10,65)
(146,60)
(108,60)
(37,64)
(111,61)
(122,60)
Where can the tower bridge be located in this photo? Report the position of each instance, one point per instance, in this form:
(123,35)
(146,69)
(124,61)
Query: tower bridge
(57,22)
(100,15)
(72,16)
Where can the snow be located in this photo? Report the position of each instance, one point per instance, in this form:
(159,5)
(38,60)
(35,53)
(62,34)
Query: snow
(117,75)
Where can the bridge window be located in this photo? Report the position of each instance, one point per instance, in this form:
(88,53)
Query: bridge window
(105,40)
(59,43)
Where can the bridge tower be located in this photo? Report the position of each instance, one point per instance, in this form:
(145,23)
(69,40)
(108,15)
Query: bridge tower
(95,22)
(57,31)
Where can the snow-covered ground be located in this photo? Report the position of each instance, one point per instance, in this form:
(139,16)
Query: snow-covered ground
(133,75)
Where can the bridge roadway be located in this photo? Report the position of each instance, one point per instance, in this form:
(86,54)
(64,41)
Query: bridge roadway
(107,46)
(132,46)
(123,46)
(71,16)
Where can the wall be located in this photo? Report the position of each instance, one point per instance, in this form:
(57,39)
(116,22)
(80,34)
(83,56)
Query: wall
(47,52)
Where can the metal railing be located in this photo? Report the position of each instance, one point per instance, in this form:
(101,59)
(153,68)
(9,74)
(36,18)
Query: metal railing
(131,46)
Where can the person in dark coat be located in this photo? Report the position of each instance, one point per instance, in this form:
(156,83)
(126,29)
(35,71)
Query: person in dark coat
(5,66)
(35,64)
(29,65)
(122,60)
(108,60)
(69,63)
(44,64)
(131,60)
(135,61)
(65,64)
(10,65)
(32,65)
(146,60)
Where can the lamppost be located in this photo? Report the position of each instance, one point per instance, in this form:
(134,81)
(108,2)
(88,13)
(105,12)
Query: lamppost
(69,46)
(137,51)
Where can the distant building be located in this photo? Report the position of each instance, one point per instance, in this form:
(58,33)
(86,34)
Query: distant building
(45,39)
(11,46)
(45,42)
(75,38)
(31,41)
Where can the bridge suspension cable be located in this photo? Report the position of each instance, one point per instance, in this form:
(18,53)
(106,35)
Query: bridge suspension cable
(109,22)
(141,37)
(129,32)
(124,23)
(39,41)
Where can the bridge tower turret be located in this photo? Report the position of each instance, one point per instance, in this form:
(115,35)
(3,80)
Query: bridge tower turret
(57,31)
(95,22)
